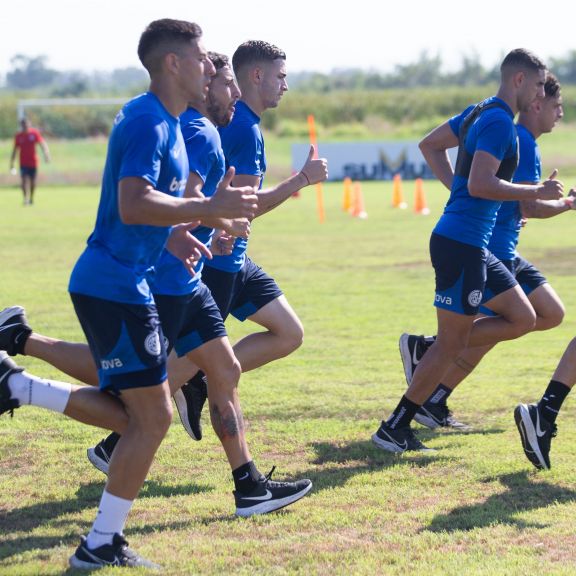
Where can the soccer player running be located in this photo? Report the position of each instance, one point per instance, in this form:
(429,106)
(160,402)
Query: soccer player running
(144,178)
(239,286)
(481,180)
(540,118)
(26,141)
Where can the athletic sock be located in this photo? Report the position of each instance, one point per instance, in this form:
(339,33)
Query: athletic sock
(197,378)
(246,477)
(440,395)
(552,400)
(49,394)
(110,442)
(402,416)
(110,520)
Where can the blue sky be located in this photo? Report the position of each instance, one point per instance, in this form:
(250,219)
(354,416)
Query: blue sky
(316,35)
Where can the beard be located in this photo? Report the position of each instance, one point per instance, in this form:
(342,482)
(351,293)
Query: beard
(221,116)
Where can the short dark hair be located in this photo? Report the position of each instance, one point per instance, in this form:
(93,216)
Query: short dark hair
(519,59)
(552,86)
(164,36)
(219,60)
(254,51)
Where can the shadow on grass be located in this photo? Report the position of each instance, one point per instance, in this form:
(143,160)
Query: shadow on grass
(359,458)
(57,512)
(522,495)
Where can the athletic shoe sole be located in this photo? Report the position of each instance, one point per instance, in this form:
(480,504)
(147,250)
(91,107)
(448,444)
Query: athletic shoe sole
(96,461)
(427,421)
(9,312)
(528,435)
(385,445)
(182,407)
(406,357)
(272,505)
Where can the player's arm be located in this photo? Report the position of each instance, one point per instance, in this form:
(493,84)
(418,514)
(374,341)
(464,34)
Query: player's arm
(483,183)
(315,170)
(234,226)
(45,150)
(13,156)
(547,208)
(434,148)
(140,203)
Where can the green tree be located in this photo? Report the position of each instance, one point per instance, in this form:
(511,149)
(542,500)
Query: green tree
(29,72)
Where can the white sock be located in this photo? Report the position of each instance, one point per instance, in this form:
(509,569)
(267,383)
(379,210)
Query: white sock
(29,389)
(112,514)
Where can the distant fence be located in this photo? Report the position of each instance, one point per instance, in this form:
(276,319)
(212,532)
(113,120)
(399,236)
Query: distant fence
(369,160)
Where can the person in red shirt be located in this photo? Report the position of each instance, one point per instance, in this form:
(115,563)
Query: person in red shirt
(26,141)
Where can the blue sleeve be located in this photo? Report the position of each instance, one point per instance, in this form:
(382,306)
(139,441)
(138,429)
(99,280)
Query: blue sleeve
(201,154)
(242,149)
(529,164)
(456,121)
(145,142)
(496,135)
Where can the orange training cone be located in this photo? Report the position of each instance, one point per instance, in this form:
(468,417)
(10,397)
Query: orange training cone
(397,197)
(358,210)
(347,199)
(420,206)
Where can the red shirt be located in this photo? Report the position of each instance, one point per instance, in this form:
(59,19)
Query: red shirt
(27,141)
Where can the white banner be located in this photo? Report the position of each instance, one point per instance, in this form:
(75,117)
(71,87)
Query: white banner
(369,160)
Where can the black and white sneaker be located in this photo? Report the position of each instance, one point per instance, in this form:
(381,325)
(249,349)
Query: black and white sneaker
(115,554)
(536,434)
(14,330)
(269,495)
(398,439)
(438,415)
(190,400)
(412,348)
(99,456)
(7,368)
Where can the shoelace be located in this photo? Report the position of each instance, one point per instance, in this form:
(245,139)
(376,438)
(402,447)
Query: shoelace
(553,431)
(269,475)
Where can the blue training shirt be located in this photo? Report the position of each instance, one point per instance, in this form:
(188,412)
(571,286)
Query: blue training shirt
(206,158)
(243,146)
(146,142)
(508,222)
(466,218)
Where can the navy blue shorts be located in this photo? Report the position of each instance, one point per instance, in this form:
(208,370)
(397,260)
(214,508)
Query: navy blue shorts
(527,276)
(126,341)
(28,171)
(463,273)
(190,321)
(241,293)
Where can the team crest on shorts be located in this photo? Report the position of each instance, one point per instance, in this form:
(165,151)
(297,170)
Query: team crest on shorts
(475,298)
(152,344)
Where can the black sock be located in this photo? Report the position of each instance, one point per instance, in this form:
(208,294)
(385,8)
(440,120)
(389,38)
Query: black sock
(552,400)
(110,442)
(402,416)
(246,477)
(197,379)
(440,395)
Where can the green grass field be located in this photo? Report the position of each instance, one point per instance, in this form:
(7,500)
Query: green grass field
(476,506)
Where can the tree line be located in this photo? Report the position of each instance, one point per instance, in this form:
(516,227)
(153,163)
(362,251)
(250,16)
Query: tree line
(33,73)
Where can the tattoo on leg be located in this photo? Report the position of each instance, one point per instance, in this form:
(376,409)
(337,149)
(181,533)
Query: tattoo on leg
(227,425)
(463,365)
